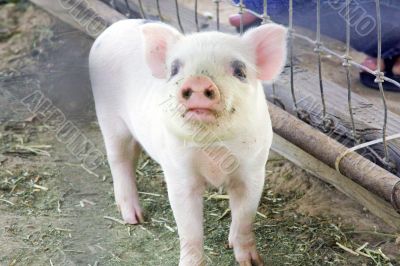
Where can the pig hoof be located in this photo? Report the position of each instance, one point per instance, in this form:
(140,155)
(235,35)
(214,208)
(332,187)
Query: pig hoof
(257,261)
(228,245)
(248,255)
(131,214)
(194,261)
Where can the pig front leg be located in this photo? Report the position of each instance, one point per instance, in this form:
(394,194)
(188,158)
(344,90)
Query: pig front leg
(244,196)
(186,198)
(123,153)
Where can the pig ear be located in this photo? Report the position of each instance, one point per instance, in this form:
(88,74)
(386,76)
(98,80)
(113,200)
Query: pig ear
(269,44)
(158,40)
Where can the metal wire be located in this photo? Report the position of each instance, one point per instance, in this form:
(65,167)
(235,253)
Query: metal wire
(128,12)
(347,61)
(241,8)
(346,64)
(291,36)
(273,91)
(351,62)
(112,3)
(318,51)
(379,78)
(217,12)
(141,9)
(265,17)
(178,17)
(196,15)
(159,10)
(331,52)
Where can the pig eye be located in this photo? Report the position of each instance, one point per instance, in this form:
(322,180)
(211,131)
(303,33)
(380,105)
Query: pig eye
(239,69)
(175,67)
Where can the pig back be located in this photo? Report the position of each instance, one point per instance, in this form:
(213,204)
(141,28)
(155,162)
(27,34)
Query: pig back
(122,84)
(116,63)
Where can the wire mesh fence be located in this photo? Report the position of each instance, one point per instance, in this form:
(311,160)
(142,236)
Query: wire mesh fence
(383,158)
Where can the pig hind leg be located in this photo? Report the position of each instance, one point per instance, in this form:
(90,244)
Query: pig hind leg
(123,153)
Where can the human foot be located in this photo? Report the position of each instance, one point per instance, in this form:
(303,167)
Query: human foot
(247,18)
(369,80)
(372,63)
(396,67)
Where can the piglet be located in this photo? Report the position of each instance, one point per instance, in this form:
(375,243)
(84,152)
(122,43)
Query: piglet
(196,105)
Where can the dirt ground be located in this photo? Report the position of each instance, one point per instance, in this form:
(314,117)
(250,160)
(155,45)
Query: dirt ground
(53,211)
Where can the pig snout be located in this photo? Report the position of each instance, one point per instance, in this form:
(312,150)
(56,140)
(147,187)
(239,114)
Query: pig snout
(201,98)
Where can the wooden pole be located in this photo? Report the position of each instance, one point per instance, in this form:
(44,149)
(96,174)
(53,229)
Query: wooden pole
(317,144)
(351,189)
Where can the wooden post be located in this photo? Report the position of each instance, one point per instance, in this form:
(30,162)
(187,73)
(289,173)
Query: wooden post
(351,189)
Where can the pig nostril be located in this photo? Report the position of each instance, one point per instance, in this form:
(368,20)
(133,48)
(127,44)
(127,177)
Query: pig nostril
(187,93)
(210,94)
